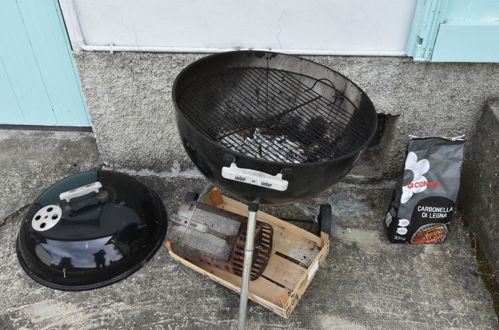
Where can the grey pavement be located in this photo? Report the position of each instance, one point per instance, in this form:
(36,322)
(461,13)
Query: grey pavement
(32,160)
(365,282)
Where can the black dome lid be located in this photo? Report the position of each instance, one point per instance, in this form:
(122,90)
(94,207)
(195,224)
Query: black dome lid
(90,230)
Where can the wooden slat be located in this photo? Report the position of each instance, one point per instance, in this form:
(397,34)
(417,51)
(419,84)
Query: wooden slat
(261,287)
(301,250)
(288,239)
(307,277)
(261,290)
(234,206)
(283,271)
(214,198)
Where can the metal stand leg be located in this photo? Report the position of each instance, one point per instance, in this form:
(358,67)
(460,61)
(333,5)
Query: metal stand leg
(248,259)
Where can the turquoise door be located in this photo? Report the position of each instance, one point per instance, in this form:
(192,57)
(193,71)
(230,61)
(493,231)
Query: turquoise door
(39,84)
(455,31)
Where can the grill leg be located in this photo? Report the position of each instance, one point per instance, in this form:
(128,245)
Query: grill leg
(248,259)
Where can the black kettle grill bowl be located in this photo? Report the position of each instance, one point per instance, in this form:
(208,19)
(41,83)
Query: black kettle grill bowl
(324,112)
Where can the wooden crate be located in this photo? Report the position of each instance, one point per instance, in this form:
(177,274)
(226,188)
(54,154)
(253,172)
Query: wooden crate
(296,256)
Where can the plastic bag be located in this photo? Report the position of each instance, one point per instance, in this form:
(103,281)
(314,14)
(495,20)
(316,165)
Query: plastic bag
(424,199)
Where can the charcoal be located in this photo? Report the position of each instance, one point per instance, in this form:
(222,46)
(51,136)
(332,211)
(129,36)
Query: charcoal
(266,146)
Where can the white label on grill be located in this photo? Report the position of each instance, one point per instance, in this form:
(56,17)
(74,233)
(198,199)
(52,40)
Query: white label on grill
(254,177)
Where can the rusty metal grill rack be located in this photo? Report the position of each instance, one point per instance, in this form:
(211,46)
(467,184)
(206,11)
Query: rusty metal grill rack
(263,249)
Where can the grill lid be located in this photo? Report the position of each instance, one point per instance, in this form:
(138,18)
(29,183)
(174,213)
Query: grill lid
(90,230)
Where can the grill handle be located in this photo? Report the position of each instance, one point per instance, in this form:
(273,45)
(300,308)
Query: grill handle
(254,177)
(80,191)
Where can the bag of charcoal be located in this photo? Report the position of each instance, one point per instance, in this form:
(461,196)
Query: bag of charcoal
(424,199)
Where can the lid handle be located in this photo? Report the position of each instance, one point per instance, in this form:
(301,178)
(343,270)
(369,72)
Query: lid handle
(81,191)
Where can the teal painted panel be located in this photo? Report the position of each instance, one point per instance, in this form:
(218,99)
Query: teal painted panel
(50,44)
(9,106)
(472,11)
(467,43)
(425,23)
(455,31)
(38,64)
(21,70)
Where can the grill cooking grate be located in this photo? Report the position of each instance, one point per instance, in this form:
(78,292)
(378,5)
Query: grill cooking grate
(230,107)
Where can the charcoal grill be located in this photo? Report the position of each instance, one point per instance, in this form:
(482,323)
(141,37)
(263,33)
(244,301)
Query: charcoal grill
(270,128)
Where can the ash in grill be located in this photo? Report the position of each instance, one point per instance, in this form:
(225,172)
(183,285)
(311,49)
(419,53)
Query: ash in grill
(262,145)
(274,115)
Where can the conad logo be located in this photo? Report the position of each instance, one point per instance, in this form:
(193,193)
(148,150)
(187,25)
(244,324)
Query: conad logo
(420,184)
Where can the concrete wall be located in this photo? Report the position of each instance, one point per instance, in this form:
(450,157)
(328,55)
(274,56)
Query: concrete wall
(480,184)
(129,100)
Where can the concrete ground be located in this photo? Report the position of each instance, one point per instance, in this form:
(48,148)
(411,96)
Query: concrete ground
(365,283)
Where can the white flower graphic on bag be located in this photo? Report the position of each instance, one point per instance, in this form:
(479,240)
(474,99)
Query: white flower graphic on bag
(418,183)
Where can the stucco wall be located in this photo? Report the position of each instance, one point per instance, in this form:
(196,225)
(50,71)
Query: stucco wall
(129,100)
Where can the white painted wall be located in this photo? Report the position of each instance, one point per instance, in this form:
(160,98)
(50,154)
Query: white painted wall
(360,27)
